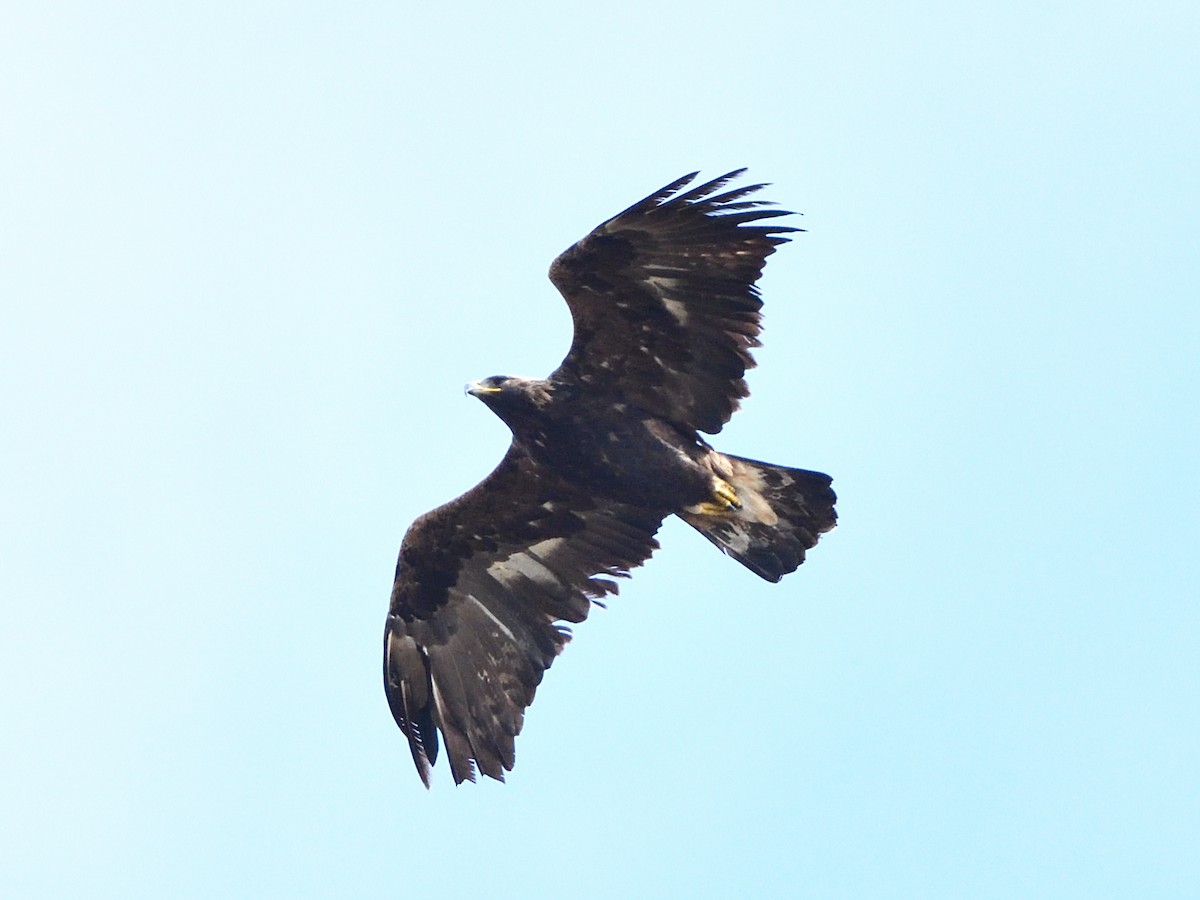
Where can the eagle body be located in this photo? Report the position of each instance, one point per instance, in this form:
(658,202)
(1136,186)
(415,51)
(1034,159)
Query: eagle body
(632,457)
(665,312)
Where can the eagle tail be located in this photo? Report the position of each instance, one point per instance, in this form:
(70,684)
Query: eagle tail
(782,512)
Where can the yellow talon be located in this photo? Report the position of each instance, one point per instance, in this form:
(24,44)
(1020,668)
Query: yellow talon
(724,499)
(724,492)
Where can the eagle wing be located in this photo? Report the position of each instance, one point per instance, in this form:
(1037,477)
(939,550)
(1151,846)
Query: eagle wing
(481,586)
(664,303)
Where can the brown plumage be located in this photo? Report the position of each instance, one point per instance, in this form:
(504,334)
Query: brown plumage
(665,312)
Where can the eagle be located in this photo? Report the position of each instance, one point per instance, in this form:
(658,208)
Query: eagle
(665,312)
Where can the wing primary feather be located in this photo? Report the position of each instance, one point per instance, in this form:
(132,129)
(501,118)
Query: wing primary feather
(483,725)
(658,197)
(753,215)
(409,694)
(747,204)
(728,198)
(703,190)
(458,750)
(450,710)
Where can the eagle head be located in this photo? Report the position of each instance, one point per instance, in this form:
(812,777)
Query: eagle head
(514,399)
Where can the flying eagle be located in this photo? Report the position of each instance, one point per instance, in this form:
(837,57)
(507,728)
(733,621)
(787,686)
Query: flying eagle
(665,312)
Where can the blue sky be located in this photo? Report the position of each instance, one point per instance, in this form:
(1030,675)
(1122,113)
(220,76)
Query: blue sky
(252,251)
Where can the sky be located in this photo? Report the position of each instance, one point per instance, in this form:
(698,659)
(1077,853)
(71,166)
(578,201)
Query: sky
(249,255)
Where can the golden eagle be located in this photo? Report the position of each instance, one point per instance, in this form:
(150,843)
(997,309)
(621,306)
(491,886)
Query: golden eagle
(665,311)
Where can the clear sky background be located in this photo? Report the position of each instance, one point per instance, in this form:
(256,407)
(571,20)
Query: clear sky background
(250,253)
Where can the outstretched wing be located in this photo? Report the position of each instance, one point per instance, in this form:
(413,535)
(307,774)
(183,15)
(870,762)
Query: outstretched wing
(664,302)
(481,587)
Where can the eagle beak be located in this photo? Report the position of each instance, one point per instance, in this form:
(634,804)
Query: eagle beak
(475,388)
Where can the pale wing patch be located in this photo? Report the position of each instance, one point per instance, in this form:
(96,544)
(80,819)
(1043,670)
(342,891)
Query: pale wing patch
(544,548)
(665,286)
(439,704)
(677,309)
(491,615)
(529,563)
(507,571)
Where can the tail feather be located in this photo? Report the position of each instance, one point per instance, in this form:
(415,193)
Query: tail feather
(783,513)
